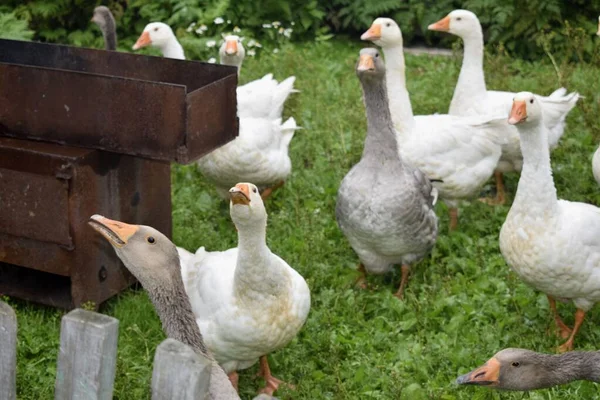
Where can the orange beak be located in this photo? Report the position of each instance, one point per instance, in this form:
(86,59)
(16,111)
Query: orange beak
(443,25)
(518,113)
(116,232)
(231,47)
(486,375)
(143,41)
(240,194)
(365,63)
(374,33)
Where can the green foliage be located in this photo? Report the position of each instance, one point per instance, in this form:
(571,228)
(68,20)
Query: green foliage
(13,27)
(461,305)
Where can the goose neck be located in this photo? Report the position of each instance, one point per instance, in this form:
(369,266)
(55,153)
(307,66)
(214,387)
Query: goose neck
(399,98)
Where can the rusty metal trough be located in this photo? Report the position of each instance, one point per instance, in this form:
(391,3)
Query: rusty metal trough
(89,131)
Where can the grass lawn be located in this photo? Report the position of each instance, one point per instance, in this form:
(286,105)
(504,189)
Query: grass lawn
(461,305)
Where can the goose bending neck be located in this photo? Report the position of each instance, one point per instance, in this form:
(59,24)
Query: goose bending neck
(569,367)
(110,35)
(380,142)
(175,312)
(471,80)
(255,272)
(399,99)
(536,193)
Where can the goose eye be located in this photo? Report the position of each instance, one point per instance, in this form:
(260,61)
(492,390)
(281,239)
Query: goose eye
(254,190)
(531,101)
(376,55)
(150,240)
(516,364)
(388,24)
(156,29)
(459,18)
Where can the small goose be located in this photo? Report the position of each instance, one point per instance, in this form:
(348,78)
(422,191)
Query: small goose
(106,22)
(460,153)
(248,301)
(519,369)
(384,206)
(152,258)
(553,245)
(472,98)
(161,36)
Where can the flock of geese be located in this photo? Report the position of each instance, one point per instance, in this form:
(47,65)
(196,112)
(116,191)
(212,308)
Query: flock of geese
(239,305)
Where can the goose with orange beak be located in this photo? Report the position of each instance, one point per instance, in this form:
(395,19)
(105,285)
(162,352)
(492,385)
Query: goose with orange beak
(552,244)
(247,301)
(232,52)
(161,36)
(458,154)
(384,205)
(520,369)
(471,97)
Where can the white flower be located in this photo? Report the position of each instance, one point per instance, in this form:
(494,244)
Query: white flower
(275,51)
(212,60)
(211,43)
(199,31)
(203,28)
(228,21)
(288,32)
(257,45)
(236,29)
(191,27)
(251,43)
(281,31)
(251,52)
(267,26)
(218,21)
(276,24)
(293,23)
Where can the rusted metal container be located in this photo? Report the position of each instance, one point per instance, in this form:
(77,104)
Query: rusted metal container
(48,253)
(154,107)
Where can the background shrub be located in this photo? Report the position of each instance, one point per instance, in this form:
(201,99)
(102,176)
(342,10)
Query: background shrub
(528,29)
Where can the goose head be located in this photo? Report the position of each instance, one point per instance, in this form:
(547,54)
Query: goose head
(384,32)
(461,23)
(246,205)
(526,109)
(370,65)
(512,369)
(101,17)
(150,256)
(232,51)
(156,34)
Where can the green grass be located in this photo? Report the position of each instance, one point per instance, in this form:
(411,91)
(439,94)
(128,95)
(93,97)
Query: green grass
(461,305)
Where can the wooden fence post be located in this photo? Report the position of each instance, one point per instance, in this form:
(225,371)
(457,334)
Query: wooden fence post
(8,352)
(179,373)
(88,356)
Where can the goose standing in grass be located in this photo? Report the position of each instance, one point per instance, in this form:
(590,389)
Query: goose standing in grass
(261,98)
(458,152)
(161,36)
(472,98)
(153,259)
(248,301)
(519,369)
(106,22)
(553,245)
(384,206)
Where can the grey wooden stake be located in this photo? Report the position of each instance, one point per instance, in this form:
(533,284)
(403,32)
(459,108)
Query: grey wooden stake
(87,357)
(179,373)
(8,352)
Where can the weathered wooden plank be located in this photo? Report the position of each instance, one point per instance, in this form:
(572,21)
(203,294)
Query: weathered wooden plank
(179,373)
(87,357)
(8,352)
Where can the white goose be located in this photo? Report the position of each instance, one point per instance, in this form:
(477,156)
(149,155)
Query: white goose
(261,98)
(462,152)
(161,36)
(472,98)
(248,301)
(553,245)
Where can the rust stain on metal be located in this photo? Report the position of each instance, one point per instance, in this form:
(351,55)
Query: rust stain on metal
(119,102)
